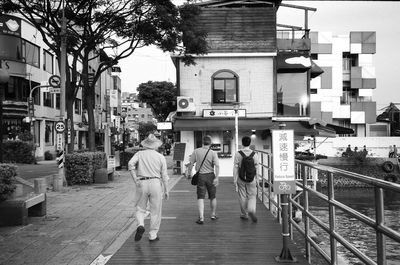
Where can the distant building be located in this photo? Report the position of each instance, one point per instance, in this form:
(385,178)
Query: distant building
(136,112)
(343,93)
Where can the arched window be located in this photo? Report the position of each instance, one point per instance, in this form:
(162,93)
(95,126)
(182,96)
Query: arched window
(225,87)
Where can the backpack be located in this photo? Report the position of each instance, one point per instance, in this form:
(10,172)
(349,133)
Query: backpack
(247,169)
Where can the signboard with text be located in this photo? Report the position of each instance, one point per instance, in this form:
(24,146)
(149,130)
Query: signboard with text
(223,113)
(283,161)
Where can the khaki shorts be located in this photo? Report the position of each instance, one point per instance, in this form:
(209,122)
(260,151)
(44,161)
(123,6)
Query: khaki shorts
(206,185)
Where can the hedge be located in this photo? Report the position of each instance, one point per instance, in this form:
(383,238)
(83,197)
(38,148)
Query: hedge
(17,151)
(80,166)
(7,176)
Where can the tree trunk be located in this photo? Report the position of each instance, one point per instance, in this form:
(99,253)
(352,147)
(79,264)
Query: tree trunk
(89,94)
(70,117)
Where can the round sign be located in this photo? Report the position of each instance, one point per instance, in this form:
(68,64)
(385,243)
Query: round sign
(60,126)
(55,81)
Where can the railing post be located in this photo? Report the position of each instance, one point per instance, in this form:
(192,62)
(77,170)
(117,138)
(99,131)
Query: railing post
(305,217)
(332,218)
(380,220)
(262,178)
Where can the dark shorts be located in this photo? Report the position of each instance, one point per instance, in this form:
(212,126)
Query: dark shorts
(206,184)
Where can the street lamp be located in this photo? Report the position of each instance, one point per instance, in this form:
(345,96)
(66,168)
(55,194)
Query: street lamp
(4,77)
(123,116)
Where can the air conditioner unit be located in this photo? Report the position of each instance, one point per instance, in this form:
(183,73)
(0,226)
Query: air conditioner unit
(185,104)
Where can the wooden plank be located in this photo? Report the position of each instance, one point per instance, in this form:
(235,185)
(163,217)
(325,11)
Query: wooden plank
(229,240)
(35,200)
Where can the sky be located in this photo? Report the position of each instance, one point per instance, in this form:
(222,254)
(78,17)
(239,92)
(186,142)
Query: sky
(338,17)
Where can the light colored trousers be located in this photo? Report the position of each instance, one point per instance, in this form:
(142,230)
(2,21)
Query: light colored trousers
(150,200)
(247,192)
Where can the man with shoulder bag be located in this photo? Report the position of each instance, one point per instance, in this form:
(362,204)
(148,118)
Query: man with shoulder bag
(207,165)
(245,179)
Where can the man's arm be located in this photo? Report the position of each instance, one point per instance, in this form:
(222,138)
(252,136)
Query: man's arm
(165,178)
(132,168)
(236,170)
(216,168)
(192,160)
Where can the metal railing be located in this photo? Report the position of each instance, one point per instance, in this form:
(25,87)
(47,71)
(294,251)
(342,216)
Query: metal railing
(307,174)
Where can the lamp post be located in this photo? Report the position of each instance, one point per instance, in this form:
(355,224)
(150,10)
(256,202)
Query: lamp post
(123,116)
(4,77)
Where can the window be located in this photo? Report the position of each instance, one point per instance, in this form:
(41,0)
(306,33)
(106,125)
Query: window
(47,61)
(10,48)
(48,99)
(77,106)
(30,52)
(49,133)
(225,88)
(292,97)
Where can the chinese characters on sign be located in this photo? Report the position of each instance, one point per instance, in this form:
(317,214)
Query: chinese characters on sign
(283,161)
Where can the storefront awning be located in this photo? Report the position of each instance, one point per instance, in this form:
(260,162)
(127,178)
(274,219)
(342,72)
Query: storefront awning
(300,128)
(200,123)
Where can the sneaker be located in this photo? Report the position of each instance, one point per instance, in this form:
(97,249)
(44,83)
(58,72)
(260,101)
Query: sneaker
(139,233)
(253,217)
(244,217)
(155,239)
(214,217)
(199,221)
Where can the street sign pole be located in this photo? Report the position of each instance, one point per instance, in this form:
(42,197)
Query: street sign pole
(63,61)
(284,182)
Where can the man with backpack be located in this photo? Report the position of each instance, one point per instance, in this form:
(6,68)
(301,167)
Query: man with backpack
(245,179)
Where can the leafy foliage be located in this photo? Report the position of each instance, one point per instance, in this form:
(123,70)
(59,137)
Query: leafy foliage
(145,129)
(80,167)
(7,175)
(105,32)
(160,96)
(18,152)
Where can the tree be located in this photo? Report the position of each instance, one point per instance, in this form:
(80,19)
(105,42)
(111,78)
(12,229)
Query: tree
(160,96)
(145,128)
(107,32)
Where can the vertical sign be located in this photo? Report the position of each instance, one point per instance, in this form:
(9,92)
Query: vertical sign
(283,161)
(60,142)
(113,98)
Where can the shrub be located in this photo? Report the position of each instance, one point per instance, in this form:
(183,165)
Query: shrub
(80,166)
(19,152)
(7,175)
(48,155)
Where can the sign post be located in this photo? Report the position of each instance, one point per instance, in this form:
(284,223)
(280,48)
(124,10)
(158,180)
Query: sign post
(284,182)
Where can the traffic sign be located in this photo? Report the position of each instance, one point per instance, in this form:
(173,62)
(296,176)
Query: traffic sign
(60,126)
(55,81)
(54,90)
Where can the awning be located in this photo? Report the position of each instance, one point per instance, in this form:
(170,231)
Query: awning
(300,128)
(200,123)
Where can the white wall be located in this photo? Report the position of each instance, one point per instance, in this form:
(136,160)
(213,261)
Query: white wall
(255,82)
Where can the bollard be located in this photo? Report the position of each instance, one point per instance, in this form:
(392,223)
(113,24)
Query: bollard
(57,182)
(40,185)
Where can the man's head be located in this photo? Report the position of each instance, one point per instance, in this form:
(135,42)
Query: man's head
(207,140)
(246,141)
(151,142)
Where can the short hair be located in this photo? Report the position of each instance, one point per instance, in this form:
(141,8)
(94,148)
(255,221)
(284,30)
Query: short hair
(207,140)
(246,141)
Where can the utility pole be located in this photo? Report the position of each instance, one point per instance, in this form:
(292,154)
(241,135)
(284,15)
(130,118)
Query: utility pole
(63,61)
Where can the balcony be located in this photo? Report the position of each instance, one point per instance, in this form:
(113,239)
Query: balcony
(295,39)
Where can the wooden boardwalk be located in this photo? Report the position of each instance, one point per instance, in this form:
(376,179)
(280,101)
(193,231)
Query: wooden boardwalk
(228,240)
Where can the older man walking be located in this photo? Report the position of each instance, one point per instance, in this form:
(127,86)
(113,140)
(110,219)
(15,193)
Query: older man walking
(148,169)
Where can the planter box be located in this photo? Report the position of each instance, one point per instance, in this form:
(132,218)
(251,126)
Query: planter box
(101,175)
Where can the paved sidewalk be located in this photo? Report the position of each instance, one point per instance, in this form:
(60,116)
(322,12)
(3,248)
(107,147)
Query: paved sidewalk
(82,222)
